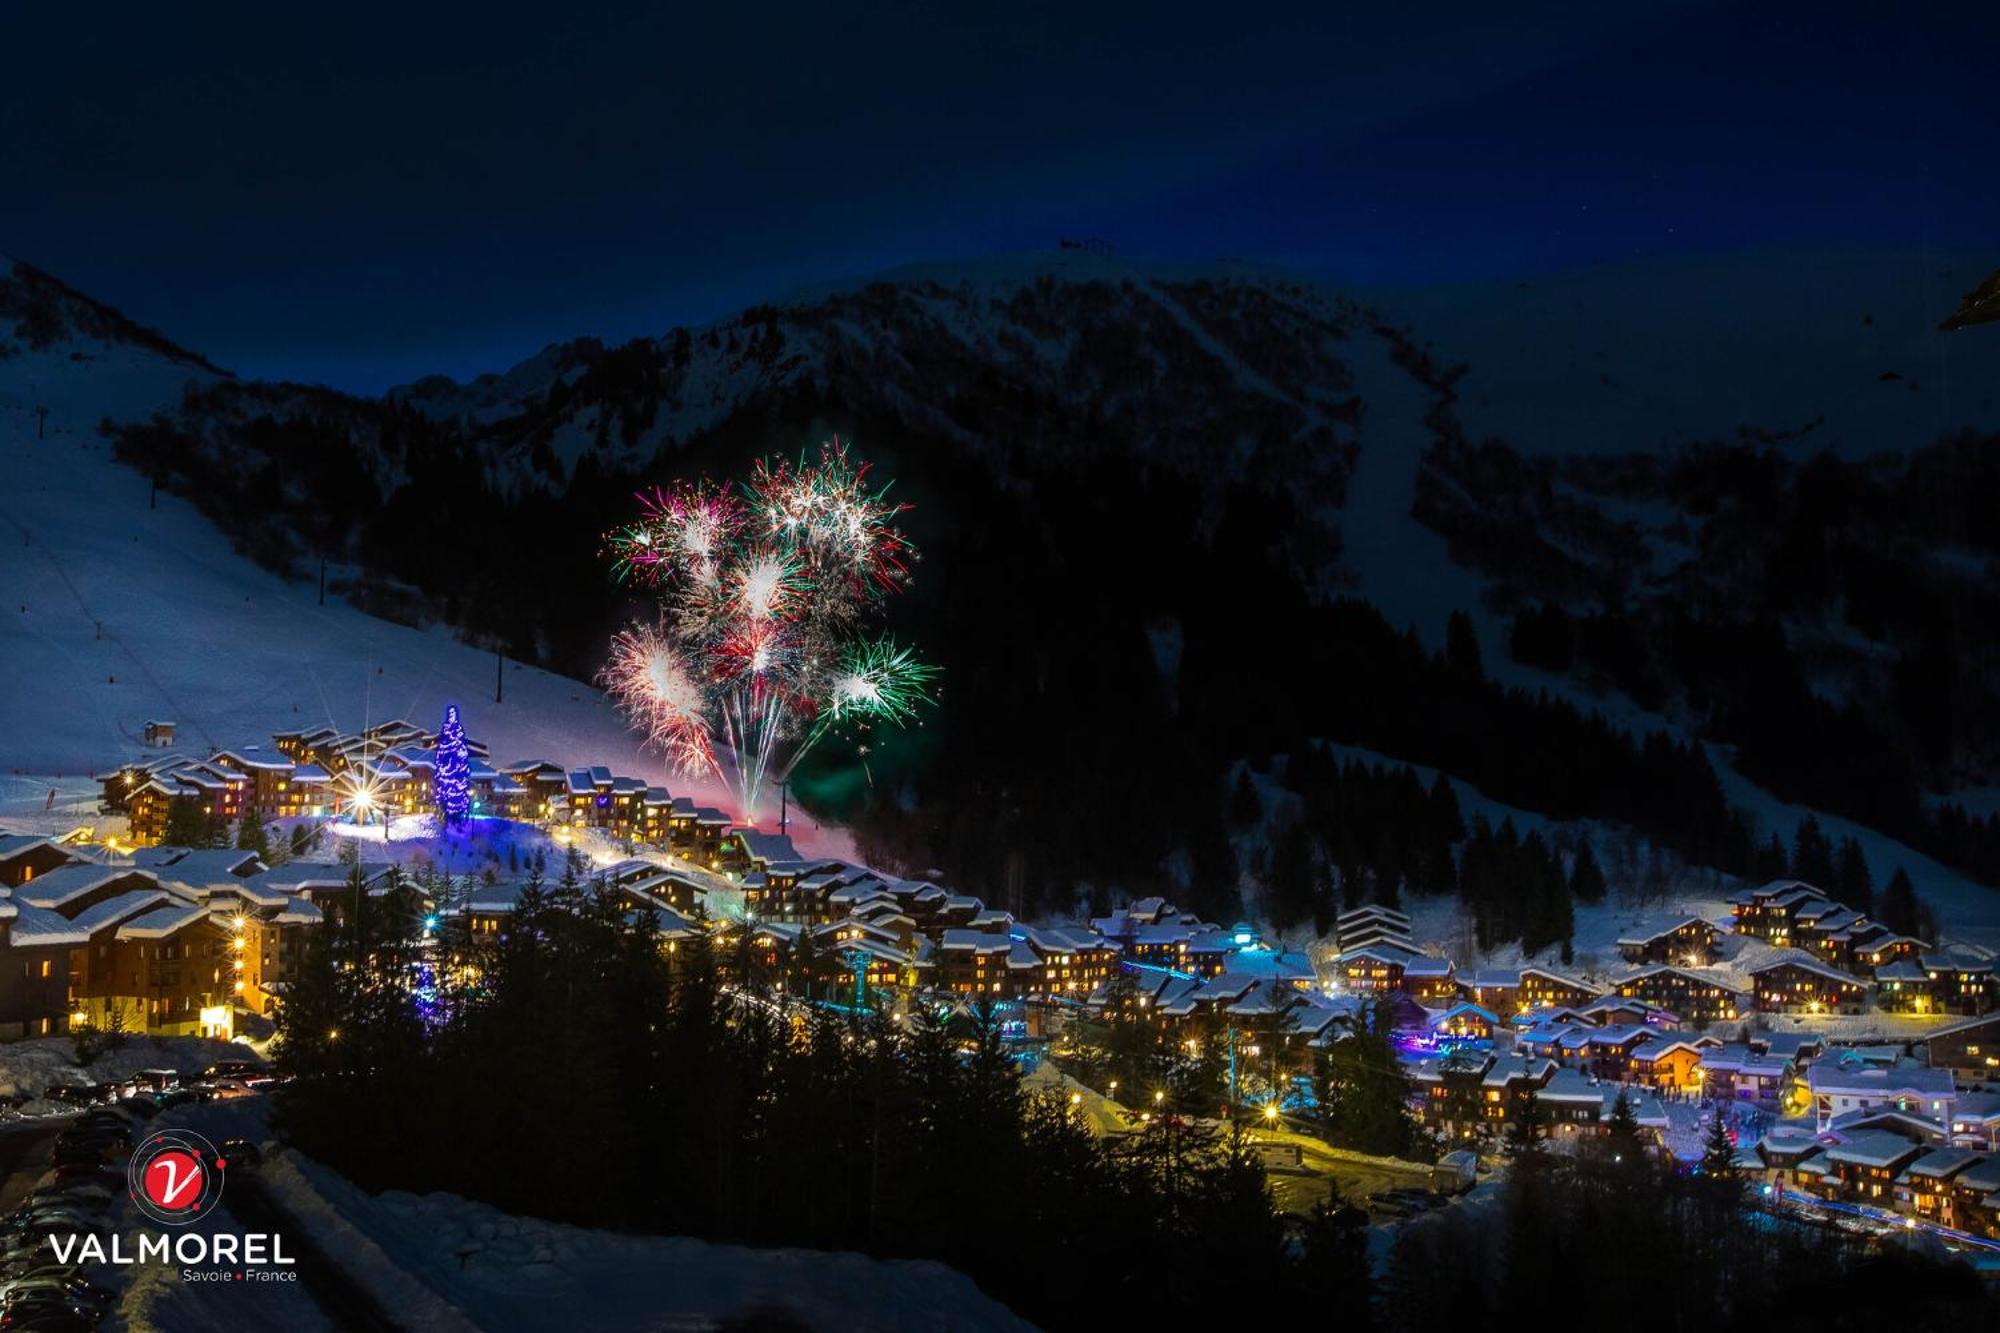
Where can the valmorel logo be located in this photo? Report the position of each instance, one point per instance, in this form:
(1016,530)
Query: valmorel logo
(176,1177)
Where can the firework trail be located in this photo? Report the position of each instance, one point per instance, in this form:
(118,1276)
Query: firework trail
(760,651)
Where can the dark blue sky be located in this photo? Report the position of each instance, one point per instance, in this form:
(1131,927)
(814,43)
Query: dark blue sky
(365,198)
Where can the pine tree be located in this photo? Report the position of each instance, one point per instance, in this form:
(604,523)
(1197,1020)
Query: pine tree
(1718,1157)
(451,784)
(1586,879)
(1245,806)
(1622,1143)
(1900,908)
(1812,856)
(186,826)
(251,835)
(1771,862)
(1461,648)
(1856,886)
(1523,1140)
(1291,878)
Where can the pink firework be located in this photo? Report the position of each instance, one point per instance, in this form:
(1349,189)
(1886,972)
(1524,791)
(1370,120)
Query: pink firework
(650,683)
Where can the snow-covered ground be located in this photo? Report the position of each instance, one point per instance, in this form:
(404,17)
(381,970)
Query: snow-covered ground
(113,613)
(438,1262)
(31,1067)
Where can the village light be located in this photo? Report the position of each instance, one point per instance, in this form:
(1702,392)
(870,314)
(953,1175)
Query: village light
(1270,1110)
(1158,1096)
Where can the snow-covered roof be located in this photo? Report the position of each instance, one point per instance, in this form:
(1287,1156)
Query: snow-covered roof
(1832,1078)
(978,941)
(116,909)
(1942,1163)
(161,921)
(1877,1148)
(1663,931)
(67,883)
(1571,1086)
(1805,963)
(1963,1025)
(16,844)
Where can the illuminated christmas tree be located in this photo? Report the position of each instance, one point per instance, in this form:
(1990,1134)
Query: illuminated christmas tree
(451,787)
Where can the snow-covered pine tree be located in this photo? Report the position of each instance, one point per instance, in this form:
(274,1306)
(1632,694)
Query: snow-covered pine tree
(451,785)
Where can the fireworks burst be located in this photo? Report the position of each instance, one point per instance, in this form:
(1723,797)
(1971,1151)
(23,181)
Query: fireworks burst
(650,682)
(758,654)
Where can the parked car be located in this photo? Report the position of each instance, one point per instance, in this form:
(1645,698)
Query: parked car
(90,1171)
(240,1069)
(70,1284)
(97,1191)
(241,1154)
(41,1317)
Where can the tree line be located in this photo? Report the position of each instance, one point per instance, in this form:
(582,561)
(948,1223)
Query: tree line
(657,1099)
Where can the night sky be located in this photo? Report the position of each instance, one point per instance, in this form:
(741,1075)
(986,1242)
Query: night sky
(364,199)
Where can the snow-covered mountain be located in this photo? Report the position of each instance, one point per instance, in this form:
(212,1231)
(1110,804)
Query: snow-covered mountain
(1129,454)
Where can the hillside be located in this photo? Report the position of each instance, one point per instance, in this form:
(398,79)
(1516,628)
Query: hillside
(122,606)
(1169,518)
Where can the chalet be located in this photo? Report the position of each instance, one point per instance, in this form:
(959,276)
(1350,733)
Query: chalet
(1507,1085)
(1864,1169)
(1430,980)
(1959,985)
(34,972)
(267,943)
(1540,987)
(1689,941)
(747,848)
(1839,1089)
(1498,988)
(1798,985)
(1975,1121)
(791,890)
(22,857)
(1614,1008)
(976,962)
(1670,1065)
(1768,913)
(1975,1197)
(1572,1103)
(1970,1048)
(1073,960)
(1606,1052)
(1365,927)
(1454,1095)
(1466,1022)
(1905,988)
(1886,949)
(298,746)
(269,780)
(1162,944)
(1741,1074)
(1696,996)
(1924,1189)
(160,735)
(1377,968)
(1787,1148)
(543,785)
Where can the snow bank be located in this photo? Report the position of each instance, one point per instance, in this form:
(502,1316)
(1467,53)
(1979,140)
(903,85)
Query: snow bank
(445,1263)
(29,1068)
